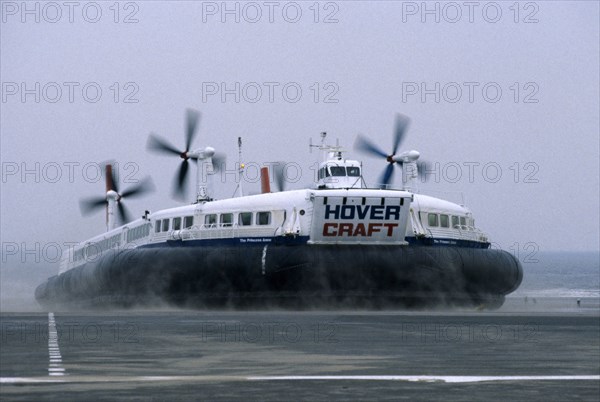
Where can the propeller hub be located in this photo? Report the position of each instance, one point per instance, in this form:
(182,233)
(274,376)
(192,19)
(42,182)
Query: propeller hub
(209,152)
(113,195)
(184,156)
(390,159)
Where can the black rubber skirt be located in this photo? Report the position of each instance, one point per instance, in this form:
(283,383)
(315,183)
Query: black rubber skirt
(280,276)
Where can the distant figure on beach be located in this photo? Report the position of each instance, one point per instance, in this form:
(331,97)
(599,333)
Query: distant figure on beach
(578,302)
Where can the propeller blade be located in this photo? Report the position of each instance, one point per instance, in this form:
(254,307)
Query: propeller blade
(422,167)
(399,130)
(155,143)
(181,176)
(387,175)
(145,186)
(123,214)
(218,160)
(114,183)
(192,117)
(89,205)
(362,144)
(278,175)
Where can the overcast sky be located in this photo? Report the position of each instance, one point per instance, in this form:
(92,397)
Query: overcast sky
(503,99)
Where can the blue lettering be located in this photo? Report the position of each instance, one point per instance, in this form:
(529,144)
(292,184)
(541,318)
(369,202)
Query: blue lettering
(392,212)
(348,212)
(362,211)
(377,212)
(335,212)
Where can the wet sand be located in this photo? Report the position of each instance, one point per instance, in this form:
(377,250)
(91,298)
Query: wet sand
(281,355)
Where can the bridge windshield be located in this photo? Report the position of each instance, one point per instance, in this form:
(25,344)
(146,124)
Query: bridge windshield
(337,171)
(353,171)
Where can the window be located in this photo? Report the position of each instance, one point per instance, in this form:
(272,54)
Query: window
(139,232)
(444,221)
(245,219)
(210,220)
(226,220)
(353,171)
(463,221)
(338,171)
(454,221)
(263,218)
(188,222)
(165,225)
(176,223)
(433,219)
(157,226)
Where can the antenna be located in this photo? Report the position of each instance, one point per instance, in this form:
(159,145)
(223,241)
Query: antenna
(311,145)
(241,169)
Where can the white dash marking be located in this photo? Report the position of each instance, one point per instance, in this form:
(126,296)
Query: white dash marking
(55,359)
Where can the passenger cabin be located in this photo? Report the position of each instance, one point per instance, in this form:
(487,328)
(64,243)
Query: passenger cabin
(443,221)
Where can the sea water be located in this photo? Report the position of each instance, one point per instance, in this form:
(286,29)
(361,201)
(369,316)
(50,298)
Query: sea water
(556,281)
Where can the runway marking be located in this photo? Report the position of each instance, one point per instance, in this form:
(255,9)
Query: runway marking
(192,378)
(55,359)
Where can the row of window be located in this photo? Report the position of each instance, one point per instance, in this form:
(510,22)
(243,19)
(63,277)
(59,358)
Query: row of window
(91,249)
(442,220)
(214,220)
(243,219)
(138,232)
(162,225)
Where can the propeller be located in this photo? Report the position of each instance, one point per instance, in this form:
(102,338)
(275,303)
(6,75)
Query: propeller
(160,145)
(365,145)
(92,204)
(279,176)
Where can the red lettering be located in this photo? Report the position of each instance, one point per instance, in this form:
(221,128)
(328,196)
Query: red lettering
(327,227)
(345,228)
(372,227)
(390,227)
(360,230)
(349,229)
